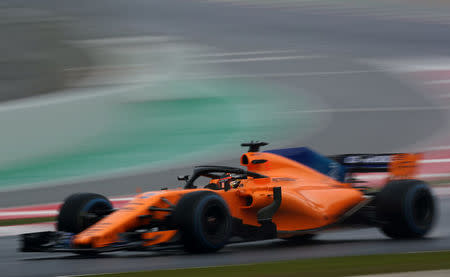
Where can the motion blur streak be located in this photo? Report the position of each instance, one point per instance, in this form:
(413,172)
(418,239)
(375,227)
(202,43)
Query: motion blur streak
(134,112)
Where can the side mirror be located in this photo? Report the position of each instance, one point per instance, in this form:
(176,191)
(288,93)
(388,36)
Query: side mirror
(183,178)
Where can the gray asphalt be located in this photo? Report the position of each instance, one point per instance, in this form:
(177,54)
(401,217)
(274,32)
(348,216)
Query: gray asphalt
(226,28)
(34,64)
(337,243)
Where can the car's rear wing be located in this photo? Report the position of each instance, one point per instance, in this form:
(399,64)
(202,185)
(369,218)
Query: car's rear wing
(398,165)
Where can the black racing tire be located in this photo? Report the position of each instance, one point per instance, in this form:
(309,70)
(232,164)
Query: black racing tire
(72,214)
(204,221)
(406,209)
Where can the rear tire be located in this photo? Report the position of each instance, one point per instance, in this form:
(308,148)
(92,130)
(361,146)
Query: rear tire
(406,209)
(73,213)
(204,221)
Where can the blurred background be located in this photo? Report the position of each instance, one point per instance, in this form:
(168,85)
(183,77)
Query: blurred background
(110,96)
(114,96)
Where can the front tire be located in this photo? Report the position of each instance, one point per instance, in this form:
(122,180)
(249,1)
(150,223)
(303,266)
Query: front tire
(204,221)
(81,210)
(406,209)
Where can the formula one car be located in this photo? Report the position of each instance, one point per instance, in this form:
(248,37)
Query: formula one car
(286,193)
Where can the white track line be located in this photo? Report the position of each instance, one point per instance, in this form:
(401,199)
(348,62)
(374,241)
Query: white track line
(447,95)
(437,82)
(48,211)
(28,228)
(376,109)
(262,75)
(434,161)
(422,68)
(121,199)
(123,40)
(257,59)
(440,63)
(20,213)
(112,199)
(275,75)
(438,148)
(226,54)
(196,76)
(243,53)
(434,175)
(443,191)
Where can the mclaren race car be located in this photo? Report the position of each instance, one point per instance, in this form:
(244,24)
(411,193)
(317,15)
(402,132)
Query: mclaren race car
(286,193)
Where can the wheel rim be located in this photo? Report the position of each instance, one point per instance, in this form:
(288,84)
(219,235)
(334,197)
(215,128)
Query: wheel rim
(214,223)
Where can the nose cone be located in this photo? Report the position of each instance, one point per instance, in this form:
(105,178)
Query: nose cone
(107,230)
(84,242)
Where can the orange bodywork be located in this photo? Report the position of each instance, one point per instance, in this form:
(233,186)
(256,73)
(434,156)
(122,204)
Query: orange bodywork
(310,200)
(404,166)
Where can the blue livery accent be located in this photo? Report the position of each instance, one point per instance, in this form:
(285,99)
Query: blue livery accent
(65,240)
(313,160)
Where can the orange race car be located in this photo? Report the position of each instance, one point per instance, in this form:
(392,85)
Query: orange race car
(287,193)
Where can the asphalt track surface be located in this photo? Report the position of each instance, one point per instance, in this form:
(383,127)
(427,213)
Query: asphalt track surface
(342,40)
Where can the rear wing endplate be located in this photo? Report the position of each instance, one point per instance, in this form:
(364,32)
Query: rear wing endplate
(398,165)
